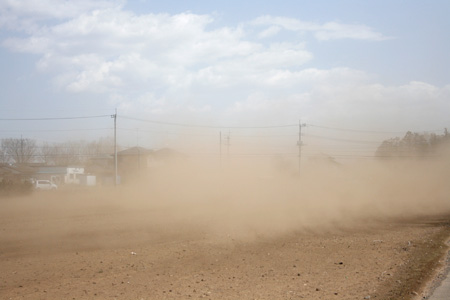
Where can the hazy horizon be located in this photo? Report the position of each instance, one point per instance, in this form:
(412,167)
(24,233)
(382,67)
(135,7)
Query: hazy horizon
(181,72)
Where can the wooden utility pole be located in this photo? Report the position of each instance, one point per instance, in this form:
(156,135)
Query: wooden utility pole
(300,144)
(115,146)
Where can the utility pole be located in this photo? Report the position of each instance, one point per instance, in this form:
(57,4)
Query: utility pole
(138,150)
(220,147)
(300,144)
(115,146)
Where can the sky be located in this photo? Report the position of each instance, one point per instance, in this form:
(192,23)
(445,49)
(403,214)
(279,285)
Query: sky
(180,72)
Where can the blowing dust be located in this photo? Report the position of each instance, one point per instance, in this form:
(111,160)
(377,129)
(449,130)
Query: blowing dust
(245,198)
(242,199)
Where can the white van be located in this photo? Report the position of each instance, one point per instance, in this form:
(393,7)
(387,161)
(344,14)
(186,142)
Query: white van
(45,185)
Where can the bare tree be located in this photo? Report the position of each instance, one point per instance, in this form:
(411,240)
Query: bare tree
(99,147)
(75,152)
(48,154)
(21,151)
(3,157)
(67,153)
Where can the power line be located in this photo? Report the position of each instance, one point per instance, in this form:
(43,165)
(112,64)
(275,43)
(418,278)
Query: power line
(55,118)
(166,132)
(264,136)
(364,131)
(343,140)
(180,133)
(54,130)
(204,125)
(207,126)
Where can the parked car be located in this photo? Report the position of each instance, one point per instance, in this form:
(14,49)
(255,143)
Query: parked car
(45,185)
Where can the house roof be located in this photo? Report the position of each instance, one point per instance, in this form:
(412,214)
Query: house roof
(18,170)
(52,170)
(165,153)
(135,151)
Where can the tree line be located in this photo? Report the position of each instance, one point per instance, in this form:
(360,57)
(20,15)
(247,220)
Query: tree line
(26,151)
(415,145)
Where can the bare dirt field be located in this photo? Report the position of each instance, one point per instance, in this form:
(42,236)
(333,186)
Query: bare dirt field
(265,239)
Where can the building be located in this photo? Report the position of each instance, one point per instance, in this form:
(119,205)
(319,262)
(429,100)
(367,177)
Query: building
(132,161)
(15,173)
(60,175)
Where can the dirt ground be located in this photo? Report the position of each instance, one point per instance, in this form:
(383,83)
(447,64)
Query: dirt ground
(89,245)
(188,231)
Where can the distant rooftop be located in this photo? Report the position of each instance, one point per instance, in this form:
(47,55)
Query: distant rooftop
(135,151)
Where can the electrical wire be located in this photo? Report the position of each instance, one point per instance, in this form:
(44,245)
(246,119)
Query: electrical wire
(206,126)
(55,130)
(340,153)
(342,140)
(55,118)
(364,131)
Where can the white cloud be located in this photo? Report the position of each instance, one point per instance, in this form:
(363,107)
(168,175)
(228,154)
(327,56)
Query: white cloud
(169,65)
(334,31)
(326,31)
(30,16)
(108,50)
(344,98)
(51,9)
(269,32)
(285,23)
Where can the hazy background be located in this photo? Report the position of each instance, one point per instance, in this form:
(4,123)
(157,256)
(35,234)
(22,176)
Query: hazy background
(360,72)
(243,200)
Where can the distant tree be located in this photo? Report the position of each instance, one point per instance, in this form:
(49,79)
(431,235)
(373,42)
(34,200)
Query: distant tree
(69,153)
(48,154)
(20,151)
(99,147)
(75,152)
(3,157)
(389,148)
(413,144)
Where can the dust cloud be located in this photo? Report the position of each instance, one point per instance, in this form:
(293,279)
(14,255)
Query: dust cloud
(249,198)
(238,199)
